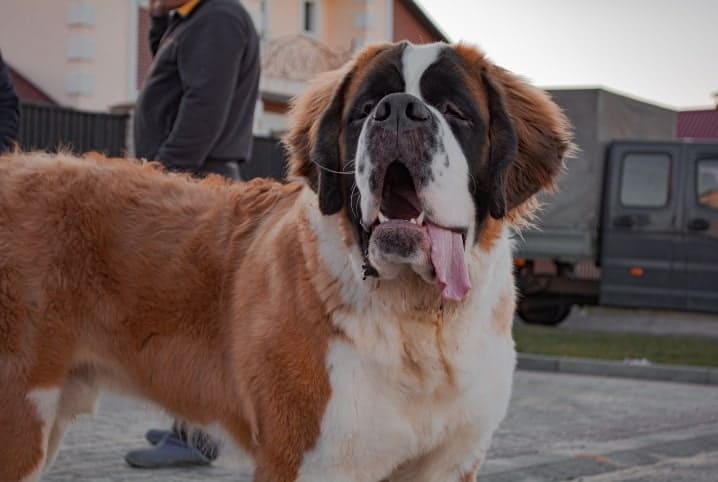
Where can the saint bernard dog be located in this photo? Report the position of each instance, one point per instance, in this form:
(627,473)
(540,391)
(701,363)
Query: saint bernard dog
(350,325)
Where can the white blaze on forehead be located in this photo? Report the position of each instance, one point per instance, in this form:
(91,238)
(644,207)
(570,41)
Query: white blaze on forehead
(415,60)
(446,199)
(447,196)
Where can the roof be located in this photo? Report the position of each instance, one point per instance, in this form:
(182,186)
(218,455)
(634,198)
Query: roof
(27,91)
(698,124)
(424,18)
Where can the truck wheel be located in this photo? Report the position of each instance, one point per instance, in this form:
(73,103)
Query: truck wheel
(547,314)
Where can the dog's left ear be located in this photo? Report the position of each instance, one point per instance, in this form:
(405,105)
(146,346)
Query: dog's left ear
(326,153)
(313,141)
(529,137)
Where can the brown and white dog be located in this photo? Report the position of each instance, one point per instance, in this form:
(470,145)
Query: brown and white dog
(351,325)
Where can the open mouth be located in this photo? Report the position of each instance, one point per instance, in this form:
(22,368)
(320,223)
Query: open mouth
(400,201)
(403,230)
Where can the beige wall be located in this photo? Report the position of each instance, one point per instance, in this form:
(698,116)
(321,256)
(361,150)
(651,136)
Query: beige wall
(380,11)
(338,29)
(111,67)
(34,35)
(284,18)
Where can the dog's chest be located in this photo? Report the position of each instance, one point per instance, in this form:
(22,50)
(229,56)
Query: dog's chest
(397,395)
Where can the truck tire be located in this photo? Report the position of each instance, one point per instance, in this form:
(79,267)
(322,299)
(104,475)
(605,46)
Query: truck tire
(547,314)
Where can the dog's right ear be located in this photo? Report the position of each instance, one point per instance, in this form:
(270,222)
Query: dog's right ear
(530,138)
(313,141)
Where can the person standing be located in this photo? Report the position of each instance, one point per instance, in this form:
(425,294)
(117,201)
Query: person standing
(9,110)
(196,109)
(195,114)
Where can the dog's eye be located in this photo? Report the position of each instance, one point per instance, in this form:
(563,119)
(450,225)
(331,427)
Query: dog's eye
(367,108)
(362,111)
(451,111)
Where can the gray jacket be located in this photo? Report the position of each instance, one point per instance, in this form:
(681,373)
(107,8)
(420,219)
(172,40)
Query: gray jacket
(197,105)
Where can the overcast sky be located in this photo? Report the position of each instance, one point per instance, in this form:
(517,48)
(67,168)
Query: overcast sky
(665,51)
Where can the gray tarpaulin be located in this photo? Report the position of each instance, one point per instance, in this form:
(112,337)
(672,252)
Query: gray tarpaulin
(569,220)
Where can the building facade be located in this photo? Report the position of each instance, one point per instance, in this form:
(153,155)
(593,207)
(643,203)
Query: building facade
(94,54)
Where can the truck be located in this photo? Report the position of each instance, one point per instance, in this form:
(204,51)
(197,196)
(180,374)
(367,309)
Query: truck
(634,220)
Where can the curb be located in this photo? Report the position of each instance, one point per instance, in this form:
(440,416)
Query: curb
(584,366)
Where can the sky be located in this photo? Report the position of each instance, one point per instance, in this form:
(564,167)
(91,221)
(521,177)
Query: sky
(664,51)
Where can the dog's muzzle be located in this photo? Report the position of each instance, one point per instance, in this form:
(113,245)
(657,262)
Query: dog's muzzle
(401,146)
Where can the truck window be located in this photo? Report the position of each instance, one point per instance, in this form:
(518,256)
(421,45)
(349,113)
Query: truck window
(645,179)
(708,183)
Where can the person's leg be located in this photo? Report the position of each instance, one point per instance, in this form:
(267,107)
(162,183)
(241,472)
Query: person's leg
(227,169)
(180,447)
(204,444)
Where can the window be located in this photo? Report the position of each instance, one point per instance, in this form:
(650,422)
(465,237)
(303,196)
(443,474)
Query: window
(707,183)
(80,83)
(80,48)
(309,17)
(645,180)
(79,14)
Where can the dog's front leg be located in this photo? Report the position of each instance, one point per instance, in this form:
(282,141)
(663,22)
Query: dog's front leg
(458,459)
(327,474)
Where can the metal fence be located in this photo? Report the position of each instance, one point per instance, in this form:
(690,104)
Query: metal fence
(51,128)
(268,159)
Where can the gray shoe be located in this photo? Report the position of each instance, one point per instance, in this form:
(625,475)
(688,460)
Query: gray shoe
(169,452)
(155,436)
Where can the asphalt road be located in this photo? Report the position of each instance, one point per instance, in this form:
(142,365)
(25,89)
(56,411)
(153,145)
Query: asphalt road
(559,427)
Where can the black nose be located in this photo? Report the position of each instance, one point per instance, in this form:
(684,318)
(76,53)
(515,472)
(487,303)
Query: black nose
(402,110)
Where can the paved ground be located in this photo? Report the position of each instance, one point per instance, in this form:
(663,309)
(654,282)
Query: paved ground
(566,427)
(560,427)
(657,322)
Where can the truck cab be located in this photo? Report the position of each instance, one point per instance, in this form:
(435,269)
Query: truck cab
(656,241)
(659,234)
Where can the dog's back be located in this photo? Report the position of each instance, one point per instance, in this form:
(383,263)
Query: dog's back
(107,269)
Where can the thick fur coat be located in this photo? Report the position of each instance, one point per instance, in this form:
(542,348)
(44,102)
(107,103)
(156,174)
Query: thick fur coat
(269,309)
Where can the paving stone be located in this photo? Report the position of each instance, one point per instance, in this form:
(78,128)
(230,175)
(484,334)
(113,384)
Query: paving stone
(559,427)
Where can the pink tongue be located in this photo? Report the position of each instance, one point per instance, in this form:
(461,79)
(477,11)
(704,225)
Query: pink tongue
(447,256)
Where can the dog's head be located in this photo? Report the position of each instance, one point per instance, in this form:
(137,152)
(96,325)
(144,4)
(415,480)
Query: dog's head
(425,149)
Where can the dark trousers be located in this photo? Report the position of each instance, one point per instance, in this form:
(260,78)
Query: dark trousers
(228,169)
(193,436)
